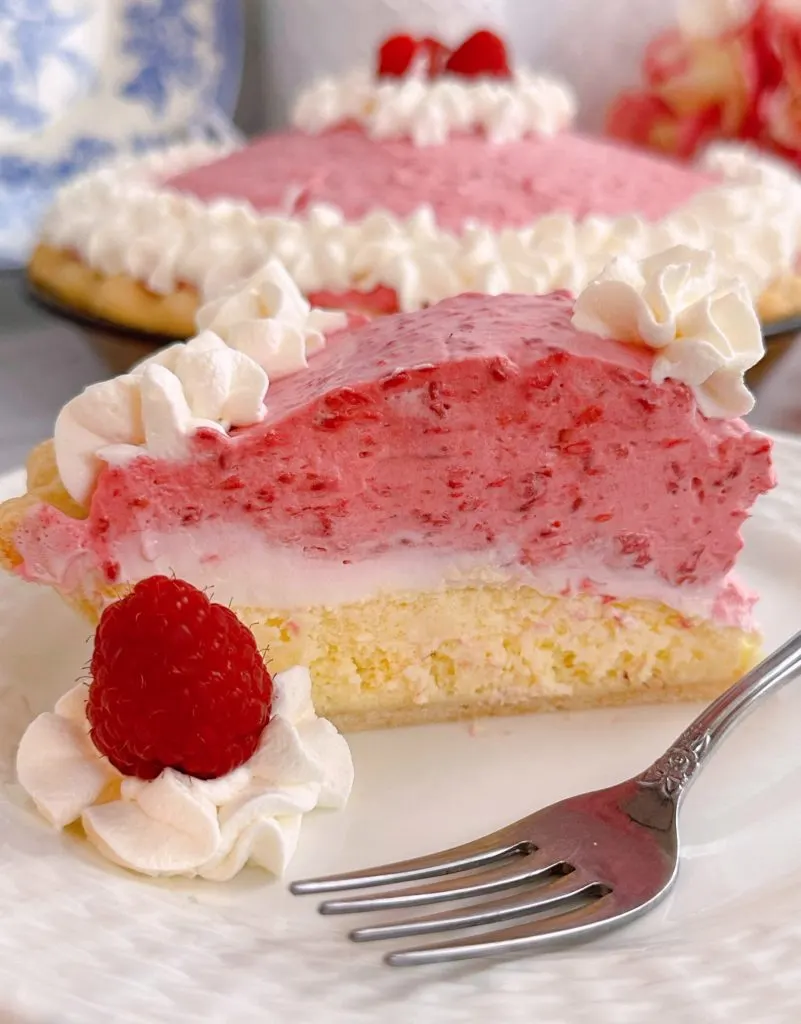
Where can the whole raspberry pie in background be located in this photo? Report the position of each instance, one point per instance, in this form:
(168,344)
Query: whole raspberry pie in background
(439,166)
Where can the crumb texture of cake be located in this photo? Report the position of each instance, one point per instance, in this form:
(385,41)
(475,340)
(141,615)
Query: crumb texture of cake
(459,653)
(463,652)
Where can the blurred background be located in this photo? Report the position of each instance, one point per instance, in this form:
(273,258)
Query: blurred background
(85,80)
(597,45)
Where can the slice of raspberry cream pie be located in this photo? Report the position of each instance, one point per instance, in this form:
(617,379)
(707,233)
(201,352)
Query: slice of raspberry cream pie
(434,173)
(497,504)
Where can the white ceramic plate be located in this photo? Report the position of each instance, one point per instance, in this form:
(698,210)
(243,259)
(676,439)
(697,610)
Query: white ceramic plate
(81,941)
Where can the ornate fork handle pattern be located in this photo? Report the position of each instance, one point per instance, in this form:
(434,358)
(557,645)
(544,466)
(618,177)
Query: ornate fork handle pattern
(671,774)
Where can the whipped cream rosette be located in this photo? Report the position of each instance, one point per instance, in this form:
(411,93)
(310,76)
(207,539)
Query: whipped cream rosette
(175,824)
(254,330)
(703,326)
(267,319)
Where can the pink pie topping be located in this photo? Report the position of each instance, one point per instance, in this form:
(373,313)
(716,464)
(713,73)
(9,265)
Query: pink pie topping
(478,423)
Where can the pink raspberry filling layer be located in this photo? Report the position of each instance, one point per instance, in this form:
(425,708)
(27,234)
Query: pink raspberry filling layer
(479,424)
(466,179)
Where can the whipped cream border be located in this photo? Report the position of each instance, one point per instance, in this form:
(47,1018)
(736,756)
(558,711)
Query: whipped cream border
(429,110)
(179,825)
(121,219)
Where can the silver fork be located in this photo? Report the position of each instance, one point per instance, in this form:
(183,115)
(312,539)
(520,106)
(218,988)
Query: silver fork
(572,871)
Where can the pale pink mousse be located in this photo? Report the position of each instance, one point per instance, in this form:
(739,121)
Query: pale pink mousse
(480,423)
(466,179)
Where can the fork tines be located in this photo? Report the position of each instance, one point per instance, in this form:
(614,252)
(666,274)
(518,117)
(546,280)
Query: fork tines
(489,867)
(479,854)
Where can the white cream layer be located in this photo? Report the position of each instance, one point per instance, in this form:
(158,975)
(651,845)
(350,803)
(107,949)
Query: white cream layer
(122,220)
(240,568)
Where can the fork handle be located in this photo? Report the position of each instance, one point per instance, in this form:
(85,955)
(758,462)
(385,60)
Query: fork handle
(672,773)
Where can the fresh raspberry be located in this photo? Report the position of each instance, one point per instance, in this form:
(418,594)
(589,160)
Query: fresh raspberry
(177,682)
(482,54)
(395,56)
(401,54)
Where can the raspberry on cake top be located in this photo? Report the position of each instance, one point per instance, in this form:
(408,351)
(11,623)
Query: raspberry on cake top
(495,504)
(435,173)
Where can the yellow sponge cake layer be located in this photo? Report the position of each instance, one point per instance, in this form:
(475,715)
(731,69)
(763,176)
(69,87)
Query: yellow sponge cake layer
(495,650)
(460,653)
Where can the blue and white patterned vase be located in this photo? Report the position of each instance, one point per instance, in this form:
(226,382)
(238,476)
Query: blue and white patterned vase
(84,80)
